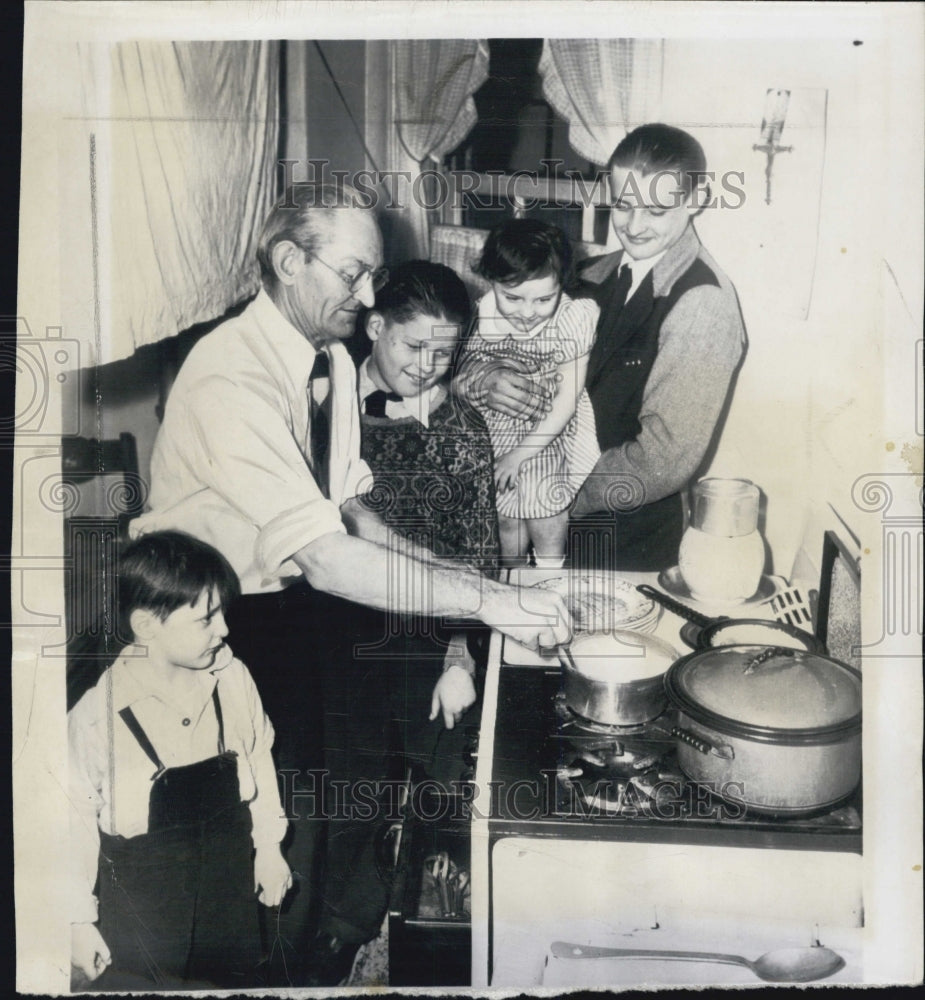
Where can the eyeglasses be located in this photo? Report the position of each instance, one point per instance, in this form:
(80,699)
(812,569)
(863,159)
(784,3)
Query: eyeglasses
(355,283)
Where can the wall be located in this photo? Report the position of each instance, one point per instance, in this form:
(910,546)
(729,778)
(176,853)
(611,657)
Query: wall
(320,127)
(805,419)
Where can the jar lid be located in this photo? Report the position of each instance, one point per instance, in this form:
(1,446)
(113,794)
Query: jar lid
(768,688)
(727,508)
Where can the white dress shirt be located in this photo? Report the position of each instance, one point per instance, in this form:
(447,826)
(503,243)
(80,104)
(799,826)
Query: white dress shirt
(639,269)
(231,464)
(110,774)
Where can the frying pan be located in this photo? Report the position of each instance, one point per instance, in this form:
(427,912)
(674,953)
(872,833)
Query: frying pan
(724,631)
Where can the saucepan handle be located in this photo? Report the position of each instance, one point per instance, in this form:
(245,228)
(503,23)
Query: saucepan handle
(704,746)
(677,607)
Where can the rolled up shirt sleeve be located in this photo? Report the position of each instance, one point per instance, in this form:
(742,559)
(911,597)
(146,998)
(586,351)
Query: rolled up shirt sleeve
(250,458)
(700,345)
(269,820)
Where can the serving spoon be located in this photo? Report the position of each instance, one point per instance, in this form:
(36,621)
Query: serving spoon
(783,965)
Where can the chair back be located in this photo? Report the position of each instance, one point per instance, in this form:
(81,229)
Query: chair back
(105,493)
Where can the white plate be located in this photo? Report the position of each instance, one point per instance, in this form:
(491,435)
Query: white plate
(603,601)
(671,581)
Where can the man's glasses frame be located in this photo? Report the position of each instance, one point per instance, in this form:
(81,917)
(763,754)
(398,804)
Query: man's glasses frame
(377,277)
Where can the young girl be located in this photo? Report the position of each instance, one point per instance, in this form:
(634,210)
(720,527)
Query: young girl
(527,323)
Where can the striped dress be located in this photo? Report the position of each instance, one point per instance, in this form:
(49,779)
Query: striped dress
(548,481)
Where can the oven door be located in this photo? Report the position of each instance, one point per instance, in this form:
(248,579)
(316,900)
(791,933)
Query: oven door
(625,894)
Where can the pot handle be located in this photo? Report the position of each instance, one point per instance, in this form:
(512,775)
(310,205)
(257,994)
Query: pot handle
(702,621)
(771,653)
(719,750)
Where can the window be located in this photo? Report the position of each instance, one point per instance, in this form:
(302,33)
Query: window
(516,161)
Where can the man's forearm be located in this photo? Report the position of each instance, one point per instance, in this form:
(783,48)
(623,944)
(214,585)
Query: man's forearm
(367,572)
(469,383)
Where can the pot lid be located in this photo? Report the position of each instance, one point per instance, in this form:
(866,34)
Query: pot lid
(768,687)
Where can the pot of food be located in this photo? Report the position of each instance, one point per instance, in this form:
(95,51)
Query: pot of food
(776,729)
(616,678)
(722,631)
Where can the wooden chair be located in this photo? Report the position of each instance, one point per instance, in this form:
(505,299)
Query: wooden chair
(107,492)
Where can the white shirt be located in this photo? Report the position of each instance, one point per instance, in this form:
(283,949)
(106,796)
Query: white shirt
(110,774)
(418,407)
(639,269)
(231,462)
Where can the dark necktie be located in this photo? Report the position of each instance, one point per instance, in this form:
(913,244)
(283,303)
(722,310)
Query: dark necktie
(320,433)
(622,287)
(374,404)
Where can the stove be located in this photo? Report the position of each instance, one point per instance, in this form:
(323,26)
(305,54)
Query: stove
(557,774)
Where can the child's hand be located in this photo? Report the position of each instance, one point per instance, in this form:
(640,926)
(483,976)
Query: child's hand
(90,955)
(272,877)
(506,470)
(453,694)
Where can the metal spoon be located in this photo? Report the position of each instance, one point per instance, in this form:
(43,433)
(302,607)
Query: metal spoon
(783,965)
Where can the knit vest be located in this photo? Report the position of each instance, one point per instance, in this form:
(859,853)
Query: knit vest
(625,349)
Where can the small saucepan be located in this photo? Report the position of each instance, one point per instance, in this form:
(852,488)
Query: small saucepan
(616,678)
(723,631)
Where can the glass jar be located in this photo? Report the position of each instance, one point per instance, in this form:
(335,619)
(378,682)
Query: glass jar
(722,552)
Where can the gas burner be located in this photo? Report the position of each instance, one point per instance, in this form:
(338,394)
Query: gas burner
(638,789)
(572,725)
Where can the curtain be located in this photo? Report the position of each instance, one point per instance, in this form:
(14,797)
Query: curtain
(179,143)
(433,111)
(603,88)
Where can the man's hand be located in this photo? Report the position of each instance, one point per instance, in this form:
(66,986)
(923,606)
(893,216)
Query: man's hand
(272,877)
(513,393)
(90,955)
(453,694)
(537,619)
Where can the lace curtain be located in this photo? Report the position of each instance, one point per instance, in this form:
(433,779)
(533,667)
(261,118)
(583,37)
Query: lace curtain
(603,88)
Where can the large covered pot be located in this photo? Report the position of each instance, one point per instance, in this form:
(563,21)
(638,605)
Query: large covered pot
(616,678)
(776,729)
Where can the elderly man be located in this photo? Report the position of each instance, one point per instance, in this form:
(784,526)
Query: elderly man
(259,455)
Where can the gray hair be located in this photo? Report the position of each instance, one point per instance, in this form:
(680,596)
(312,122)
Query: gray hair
(298,217)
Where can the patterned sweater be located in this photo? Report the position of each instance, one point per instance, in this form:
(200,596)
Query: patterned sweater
(435,484)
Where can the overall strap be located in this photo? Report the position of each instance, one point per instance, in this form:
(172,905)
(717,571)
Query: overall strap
(218,715)
(128,717)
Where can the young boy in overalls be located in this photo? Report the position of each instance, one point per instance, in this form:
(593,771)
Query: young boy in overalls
(176,814)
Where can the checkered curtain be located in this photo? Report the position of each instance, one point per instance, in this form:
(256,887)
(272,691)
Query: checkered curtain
(432,86)
(603,88)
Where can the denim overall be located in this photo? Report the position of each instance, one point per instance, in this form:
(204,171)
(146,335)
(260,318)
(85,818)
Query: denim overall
(177,904)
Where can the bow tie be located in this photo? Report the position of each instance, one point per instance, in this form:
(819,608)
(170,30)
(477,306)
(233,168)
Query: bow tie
(374,404)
